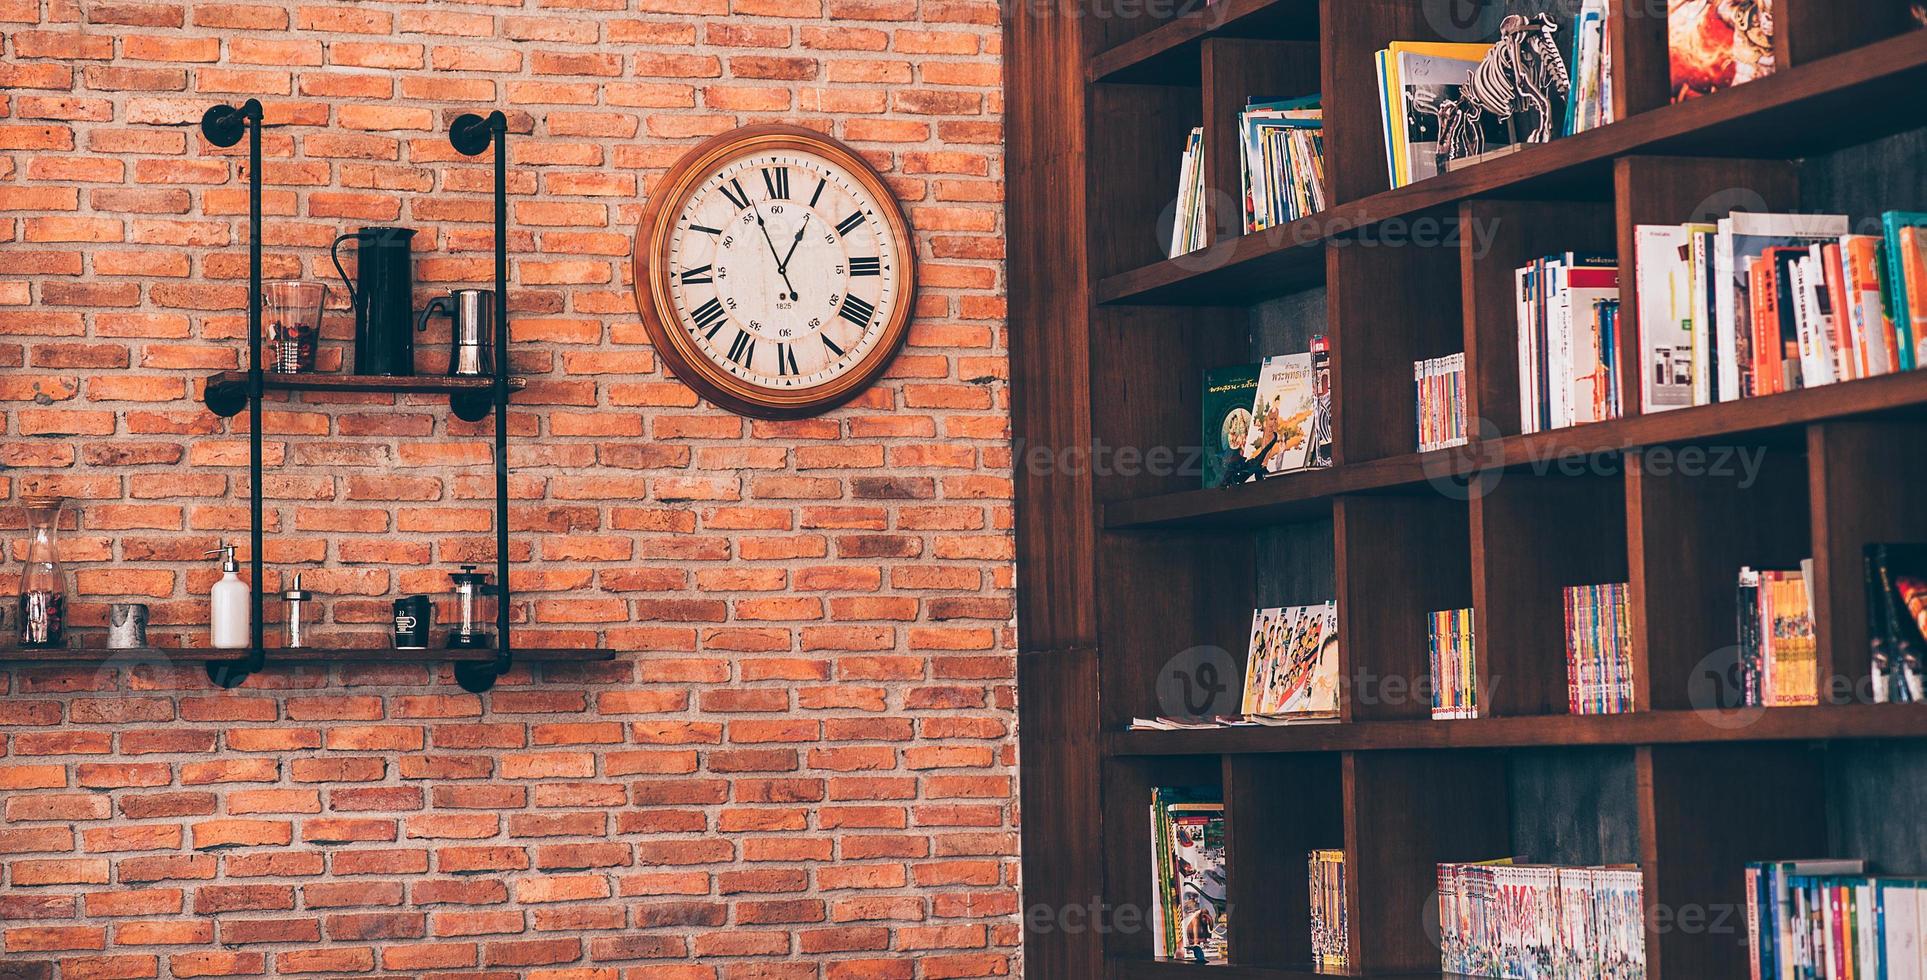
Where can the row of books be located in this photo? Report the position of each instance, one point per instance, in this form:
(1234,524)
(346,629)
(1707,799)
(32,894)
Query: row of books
(1451,645)
(1568,309)
(1757,304)
(1440,384)
(1897,621)
(1283,165)
(1591,105)
(1500,919)
(1291,669)
(1190,914)
(1830,920)
(1189,222)
(1270,418)
(1330,941)
(1599,649)
(1779,655)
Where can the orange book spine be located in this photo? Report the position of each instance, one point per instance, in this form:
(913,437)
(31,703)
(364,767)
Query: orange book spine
(1882,346)
(1915,262)
(1846,363)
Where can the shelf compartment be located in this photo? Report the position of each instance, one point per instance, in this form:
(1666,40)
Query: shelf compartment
(1497,238)
(1400,557)
(1688,535)
(1127,831)
(1859,721)
(1863,488)
(1532,537)
(34,656)
(1823,105)
(1277,810)
(1236,70)
(1296,496)
(1170,54)
(1405,813)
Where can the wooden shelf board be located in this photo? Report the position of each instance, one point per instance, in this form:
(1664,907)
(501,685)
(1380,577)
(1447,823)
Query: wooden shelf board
(1307,495)
(1839,101)
(1169,54)
(413,384)
(1869,721)
(311,655)
(1130,969)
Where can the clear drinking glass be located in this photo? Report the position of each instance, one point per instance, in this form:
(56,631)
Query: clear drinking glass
(291,325)
(43,590)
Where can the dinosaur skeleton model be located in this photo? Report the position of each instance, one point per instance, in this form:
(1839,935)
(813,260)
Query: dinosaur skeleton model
(1522,74)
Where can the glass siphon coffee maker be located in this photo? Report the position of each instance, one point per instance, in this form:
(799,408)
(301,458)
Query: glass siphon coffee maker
(474,610)
(43,590)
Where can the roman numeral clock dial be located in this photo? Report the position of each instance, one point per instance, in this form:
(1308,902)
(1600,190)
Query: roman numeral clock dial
(774,272)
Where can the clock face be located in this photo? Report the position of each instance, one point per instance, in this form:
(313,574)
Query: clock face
(778,273)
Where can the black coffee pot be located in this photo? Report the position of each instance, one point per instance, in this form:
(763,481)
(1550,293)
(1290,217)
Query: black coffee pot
(385,301)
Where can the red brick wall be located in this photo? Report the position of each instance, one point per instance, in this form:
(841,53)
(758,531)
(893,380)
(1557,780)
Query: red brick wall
(801,765)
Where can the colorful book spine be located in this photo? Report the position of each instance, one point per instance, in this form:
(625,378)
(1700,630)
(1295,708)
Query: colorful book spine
(1440,393)
(1568,322)
(1779,651)
(1507,920)
(1452,648)
(1599,671)
(1830,920)
(1330,918)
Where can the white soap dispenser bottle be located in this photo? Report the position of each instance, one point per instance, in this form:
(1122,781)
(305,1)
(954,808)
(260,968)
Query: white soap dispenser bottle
(229,603)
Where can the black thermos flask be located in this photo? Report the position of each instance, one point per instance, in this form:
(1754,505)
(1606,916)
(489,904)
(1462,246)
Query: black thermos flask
(384,301)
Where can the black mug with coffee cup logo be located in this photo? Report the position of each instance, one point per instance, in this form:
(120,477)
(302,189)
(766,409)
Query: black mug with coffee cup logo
(414,621)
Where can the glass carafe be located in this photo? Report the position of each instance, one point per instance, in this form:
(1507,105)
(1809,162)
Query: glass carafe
(474,608)
(43,590)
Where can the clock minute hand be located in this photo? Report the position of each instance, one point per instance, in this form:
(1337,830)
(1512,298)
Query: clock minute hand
(780,270)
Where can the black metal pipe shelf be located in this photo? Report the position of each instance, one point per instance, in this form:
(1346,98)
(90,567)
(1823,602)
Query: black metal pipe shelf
(471,399)
(31,656)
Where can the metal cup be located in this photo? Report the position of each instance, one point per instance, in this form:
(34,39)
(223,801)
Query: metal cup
(126,626)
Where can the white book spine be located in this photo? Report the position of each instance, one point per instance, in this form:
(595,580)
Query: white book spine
(1727,320)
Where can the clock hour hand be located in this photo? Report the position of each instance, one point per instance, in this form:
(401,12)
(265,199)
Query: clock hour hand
(784,265)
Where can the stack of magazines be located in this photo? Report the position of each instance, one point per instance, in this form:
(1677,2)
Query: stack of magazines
(1283,168)
(1190,910)
(1500,919)
(1187,229)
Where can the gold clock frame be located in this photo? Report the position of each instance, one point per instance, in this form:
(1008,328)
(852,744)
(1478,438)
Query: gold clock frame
(649,260)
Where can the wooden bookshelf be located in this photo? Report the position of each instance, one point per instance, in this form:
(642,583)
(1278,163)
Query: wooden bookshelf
(1123,567)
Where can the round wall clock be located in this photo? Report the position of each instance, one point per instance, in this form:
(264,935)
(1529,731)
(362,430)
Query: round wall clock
(774,271)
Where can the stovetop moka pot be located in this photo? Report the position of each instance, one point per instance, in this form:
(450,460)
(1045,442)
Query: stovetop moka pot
(471,343)
(385,300)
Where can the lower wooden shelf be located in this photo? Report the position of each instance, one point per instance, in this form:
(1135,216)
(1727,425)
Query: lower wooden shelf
(307,655)
(1128,969)
(1308,494)
(1858,721)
